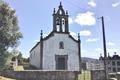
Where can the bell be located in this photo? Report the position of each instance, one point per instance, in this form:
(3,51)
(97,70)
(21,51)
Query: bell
(58,23)
(63,21)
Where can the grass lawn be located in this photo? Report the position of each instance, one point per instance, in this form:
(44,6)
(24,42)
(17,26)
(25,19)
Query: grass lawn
(4,78)
(84,76)
(19,68)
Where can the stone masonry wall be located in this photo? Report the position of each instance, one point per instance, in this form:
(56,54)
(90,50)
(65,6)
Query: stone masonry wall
(40,75)
(97,75)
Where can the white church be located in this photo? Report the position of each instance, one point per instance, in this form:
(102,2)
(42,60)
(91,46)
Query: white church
(59,50)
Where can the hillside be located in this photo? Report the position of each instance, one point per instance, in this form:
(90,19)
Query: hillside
(86,59)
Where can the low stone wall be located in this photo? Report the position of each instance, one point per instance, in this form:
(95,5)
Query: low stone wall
(97,75)
(41,75)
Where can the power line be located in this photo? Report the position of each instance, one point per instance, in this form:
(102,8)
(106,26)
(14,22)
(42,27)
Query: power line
(81,10)
(74,5)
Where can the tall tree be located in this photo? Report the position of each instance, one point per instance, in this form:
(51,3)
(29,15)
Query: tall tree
(20,58)
(9,30)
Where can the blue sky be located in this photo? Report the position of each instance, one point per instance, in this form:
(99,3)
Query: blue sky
(34,15)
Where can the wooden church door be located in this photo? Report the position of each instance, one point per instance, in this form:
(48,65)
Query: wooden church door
(61,62)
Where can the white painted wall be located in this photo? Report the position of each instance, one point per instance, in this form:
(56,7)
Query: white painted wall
(51,48)
(35,56)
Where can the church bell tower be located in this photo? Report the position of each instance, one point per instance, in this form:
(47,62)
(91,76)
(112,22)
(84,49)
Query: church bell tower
(60,20)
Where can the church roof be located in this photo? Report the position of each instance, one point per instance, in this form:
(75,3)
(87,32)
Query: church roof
(34,46)
(51,35)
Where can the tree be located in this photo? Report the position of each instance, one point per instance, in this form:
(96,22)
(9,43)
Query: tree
(20,58)
(16,53)
(9,31)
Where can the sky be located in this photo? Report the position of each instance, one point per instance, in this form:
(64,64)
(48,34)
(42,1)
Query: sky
(84,18)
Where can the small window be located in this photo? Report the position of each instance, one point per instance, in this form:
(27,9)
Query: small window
(108,62)
(114,69)
(113,63)
(61,45)
(109,68)
(57,21)
(118,63)
(118,69)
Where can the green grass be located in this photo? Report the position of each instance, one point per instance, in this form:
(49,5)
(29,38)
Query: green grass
(85,75)
(5,78)
(19,68)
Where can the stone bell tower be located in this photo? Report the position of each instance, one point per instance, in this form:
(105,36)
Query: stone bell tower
(60,20)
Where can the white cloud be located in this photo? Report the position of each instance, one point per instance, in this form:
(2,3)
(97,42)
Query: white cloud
(92,40)
(38,38)
(83,51)
(85,33)
(116,4)
(98,49)
(85,18)
(70,20)
(111,50)
(92,3)
(44,35)
(74,35)
(35,41)
(110,43)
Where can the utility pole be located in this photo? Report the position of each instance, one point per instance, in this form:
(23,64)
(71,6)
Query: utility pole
(104,47)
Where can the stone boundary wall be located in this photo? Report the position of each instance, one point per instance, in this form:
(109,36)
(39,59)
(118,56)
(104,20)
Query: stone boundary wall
(41,75)
(97,75)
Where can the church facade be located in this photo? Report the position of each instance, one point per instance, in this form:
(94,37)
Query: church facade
(59,50)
